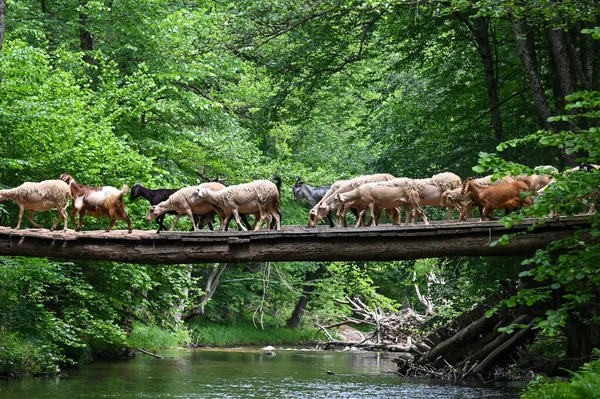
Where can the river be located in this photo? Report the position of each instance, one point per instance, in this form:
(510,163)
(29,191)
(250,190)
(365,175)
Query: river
(247,373)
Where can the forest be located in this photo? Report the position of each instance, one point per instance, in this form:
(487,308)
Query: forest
(175,93)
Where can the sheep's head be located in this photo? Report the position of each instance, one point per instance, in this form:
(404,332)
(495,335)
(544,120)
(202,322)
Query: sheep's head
(338,200)
(152,213)
(312,217)
(444,198)
(199,194)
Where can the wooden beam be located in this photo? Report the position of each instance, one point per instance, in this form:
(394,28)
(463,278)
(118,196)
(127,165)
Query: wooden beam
(292,243)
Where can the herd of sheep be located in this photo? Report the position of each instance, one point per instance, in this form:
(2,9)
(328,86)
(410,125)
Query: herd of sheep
(375,194)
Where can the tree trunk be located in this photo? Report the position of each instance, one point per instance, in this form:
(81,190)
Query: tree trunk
(562,62)
(2,21)
(461,338)
(180,304)
(582,337)
(86,41)
(296,317)
(565,78)
(596,62)
(482,39)
(527,56)
(211,282)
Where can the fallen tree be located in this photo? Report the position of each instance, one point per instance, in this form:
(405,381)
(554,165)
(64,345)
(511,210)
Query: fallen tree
(472,346)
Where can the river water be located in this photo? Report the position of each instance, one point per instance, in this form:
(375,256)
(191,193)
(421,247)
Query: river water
(247,373)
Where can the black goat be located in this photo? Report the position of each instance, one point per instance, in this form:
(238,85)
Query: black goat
(157,196)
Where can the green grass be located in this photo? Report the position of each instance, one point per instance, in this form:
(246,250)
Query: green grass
(246,334)
(584,384)
(153,338)
(21,356)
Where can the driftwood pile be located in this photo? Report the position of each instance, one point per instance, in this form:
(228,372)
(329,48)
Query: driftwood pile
(470,347)
(392,332)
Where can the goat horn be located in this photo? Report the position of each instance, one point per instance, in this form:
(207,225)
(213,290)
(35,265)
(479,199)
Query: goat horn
(138,182)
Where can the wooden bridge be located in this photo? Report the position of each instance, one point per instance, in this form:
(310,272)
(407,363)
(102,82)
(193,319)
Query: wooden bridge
(292,243)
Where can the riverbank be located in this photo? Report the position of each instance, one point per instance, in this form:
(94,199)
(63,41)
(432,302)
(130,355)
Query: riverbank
(207,334)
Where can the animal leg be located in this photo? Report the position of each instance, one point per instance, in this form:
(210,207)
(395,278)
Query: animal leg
(484,213)
(378,216)
(225,222)
(361,215)
(175,221)
(236,215)
(21,210)
(373,221)
(58,219)
(63,212)
(191,216)
(73,212)
(245,221)
(263,217)
(331,224)
(34,224)
(125,217)
(338,217)
(112,224)
(277,219)
(406,214)
(81,215)
(160,221)
(419,210)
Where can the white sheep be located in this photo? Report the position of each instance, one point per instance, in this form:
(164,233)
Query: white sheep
(581,168)
(260,196)
(382,195)
(316,214)
(40,196)
(542,176)
(332,202)
(183,202)
(431,190)
(455,199)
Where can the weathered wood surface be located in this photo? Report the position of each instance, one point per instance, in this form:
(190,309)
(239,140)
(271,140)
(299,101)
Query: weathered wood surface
(292,243)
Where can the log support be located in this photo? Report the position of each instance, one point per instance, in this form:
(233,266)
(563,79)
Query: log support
(293,243)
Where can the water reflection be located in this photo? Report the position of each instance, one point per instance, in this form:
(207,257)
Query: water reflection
(246,374)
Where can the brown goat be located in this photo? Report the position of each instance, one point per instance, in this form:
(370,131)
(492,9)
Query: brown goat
(505,196)
(97,201)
